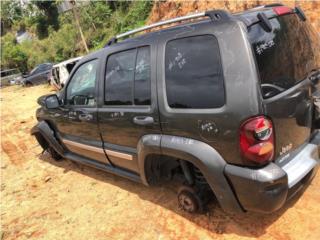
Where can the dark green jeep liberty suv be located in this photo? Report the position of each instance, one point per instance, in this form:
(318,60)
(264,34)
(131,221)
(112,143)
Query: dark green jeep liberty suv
(227,103)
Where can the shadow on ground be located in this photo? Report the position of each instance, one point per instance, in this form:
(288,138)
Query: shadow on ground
(215,220)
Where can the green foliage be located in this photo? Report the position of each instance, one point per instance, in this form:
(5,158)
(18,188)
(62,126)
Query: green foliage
(95,18)
(46,17)
(12,55)
(42,27)
(136,15)
(10,12)
(99,20)
(125,16)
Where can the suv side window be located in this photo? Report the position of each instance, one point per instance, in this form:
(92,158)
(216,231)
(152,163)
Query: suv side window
(119,78)
(193,73)
(142,77)
(81,89)
(128,78)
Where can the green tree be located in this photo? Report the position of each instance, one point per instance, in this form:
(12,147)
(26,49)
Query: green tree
(47,17)
(12,55)
(10,12)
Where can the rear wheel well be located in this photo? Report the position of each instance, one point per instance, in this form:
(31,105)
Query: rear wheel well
(162,167)
(193,190)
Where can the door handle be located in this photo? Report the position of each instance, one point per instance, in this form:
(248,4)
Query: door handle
(85,117)
(143,120)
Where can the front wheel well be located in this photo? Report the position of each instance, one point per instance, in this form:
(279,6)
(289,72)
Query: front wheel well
(41,140)
(28,84)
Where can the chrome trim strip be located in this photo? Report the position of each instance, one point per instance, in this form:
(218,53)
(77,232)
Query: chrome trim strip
(98,150)
(119,154)
(83,146)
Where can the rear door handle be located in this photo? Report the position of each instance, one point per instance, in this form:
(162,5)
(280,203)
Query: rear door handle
(143,120)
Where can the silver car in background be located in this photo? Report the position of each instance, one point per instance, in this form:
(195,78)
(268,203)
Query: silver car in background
(10,77)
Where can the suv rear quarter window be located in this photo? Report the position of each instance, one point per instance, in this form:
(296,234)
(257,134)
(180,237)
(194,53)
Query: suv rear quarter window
(193,73)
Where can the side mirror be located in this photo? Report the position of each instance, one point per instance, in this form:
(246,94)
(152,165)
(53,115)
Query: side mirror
(52,101)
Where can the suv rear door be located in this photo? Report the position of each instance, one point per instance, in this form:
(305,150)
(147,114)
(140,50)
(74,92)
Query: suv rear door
(192,87)
(285,57)
(128,104)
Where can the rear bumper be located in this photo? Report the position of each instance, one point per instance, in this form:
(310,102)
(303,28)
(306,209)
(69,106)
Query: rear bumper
(267,189)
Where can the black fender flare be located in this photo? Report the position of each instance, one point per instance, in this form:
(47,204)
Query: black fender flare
(200,154)
(48,134)
(147,145)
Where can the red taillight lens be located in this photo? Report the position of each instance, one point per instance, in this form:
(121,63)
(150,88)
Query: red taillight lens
(256,140)
(281,10)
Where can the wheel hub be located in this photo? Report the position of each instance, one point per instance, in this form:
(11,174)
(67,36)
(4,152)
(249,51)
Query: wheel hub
(186,203)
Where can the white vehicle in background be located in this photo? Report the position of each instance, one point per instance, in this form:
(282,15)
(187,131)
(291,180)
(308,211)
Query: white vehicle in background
(61,72)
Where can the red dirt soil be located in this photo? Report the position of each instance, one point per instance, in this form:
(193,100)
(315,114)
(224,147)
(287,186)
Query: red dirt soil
(169,9)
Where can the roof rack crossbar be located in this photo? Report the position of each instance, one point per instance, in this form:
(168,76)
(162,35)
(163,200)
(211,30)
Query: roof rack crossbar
(158,24)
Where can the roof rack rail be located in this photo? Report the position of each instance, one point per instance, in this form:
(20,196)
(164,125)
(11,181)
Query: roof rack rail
(215,15)
(273,5)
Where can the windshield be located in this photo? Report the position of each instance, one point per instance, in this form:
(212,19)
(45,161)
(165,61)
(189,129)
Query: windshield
(286,55)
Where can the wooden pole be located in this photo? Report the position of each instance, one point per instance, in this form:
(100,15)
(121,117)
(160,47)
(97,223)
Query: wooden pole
(76,17)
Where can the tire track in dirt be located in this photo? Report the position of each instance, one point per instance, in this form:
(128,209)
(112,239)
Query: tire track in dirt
(14,153)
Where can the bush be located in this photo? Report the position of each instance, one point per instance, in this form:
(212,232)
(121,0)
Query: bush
(12,55)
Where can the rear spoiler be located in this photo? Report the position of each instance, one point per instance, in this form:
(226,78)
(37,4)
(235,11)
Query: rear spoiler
(271,11)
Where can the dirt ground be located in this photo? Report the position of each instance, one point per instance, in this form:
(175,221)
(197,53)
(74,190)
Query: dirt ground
(43,199)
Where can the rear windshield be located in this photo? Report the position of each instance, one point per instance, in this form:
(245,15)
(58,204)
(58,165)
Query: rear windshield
(286,55)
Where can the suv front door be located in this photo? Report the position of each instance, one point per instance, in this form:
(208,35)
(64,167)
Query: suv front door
(128,107)
(78,125)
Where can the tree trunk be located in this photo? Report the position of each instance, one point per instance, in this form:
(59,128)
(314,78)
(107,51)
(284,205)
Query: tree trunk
(76,17)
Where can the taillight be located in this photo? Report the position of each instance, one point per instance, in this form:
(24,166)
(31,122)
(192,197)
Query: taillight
(282,10)
(257,140)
